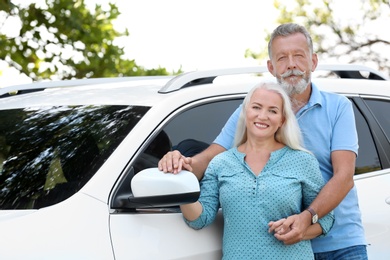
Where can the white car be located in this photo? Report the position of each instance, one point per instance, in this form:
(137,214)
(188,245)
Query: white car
(76,159)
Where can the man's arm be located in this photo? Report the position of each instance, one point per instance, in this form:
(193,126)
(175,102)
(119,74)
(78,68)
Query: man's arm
(174,161)
(339,185)
(295,227)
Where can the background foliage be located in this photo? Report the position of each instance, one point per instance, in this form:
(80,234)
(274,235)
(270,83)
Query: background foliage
(65,40)
(339,38)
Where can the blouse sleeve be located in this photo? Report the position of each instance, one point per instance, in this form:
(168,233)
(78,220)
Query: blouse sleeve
(209,198)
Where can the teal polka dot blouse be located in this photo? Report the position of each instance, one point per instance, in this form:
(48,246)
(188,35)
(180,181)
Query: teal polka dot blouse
(287,185)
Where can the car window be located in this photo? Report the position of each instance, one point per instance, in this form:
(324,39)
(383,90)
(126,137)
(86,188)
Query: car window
(368,159)
(201,123)
(189,131)
(381,108)
(49,153)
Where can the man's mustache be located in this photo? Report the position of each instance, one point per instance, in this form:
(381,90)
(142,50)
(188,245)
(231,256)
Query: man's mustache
(292,72)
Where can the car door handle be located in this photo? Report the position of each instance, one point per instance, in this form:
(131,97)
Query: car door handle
(387,200)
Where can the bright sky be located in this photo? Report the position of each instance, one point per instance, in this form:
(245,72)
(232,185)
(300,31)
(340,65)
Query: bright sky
(199,34)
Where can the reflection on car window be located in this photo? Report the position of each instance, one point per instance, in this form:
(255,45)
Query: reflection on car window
(47,154)
(368,159)
(380,108)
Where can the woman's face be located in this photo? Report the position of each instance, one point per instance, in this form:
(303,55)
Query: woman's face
(264,114)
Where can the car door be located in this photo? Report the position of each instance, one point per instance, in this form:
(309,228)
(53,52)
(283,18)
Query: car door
(161,233)
(372,174)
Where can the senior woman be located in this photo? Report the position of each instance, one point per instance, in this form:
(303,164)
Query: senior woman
(264,178)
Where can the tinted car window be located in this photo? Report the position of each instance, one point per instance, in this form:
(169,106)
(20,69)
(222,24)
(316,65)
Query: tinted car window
(190,132)
(202,123)
(381,109)
(368,159)
(47,154)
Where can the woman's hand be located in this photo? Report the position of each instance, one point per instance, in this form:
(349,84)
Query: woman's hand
(277,227)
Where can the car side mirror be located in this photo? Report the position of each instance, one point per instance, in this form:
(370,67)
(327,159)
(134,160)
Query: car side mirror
(154,188)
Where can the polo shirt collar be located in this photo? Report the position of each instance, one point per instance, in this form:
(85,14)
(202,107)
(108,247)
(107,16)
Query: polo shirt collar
(314,100)
(315,97)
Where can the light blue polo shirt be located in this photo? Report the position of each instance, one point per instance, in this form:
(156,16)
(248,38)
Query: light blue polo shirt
(327,123)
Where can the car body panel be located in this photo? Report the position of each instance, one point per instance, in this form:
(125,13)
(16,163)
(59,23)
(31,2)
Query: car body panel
(374,193)
(142,236)
(72,229)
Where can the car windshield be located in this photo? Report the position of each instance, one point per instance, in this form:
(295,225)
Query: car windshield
(48,153)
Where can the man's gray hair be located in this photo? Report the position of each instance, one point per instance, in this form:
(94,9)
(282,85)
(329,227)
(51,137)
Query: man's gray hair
(289,29)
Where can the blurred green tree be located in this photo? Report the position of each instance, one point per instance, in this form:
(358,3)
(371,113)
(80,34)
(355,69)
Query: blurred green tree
(63,39)
(342,31)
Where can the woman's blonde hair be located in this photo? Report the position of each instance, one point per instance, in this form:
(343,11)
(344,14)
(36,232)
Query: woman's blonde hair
(288,134)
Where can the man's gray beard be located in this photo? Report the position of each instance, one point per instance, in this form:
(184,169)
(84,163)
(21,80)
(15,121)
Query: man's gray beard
(294,89)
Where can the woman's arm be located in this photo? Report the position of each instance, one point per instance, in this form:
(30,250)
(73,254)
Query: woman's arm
(203,212)
(191,211)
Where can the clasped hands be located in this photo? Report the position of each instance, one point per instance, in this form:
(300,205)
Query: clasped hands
(289,230)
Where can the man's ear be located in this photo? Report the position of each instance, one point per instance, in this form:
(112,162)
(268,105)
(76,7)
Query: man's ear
(270,67)
(314,60)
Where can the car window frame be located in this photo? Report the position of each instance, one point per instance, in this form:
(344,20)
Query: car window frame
(379,136)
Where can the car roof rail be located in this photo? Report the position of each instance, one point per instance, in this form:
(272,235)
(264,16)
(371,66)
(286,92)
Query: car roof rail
(42,85)
(194,78)
(352,71)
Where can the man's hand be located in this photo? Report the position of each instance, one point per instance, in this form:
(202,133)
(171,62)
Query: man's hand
(174,162)
(291,230)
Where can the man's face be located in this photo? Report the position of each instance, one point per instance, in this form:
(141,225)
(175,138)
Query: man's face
(291,62)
